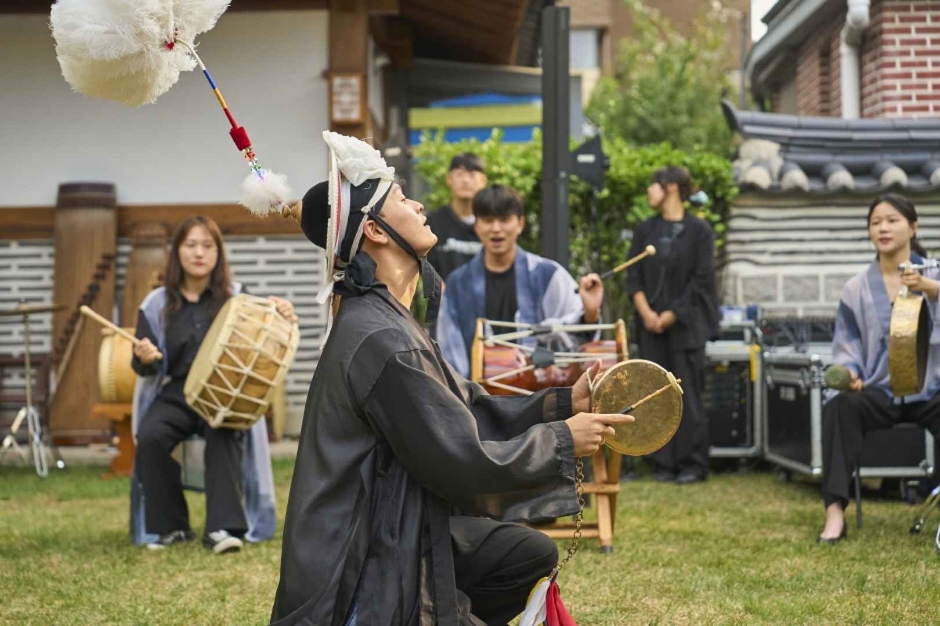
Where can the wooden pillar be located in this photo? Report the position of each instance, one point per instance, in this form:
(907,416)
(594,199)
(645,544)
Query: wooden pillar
(147,260)
(85,235)
(349,56)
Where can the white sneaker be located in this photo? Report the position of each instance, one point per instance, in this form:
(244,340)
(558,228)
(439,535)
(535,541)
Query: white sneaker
(220,541)
(171,538)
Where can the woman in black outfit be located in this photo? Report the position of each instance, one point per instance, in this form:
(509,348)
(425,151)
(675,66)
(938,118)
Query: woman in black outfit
(675,297)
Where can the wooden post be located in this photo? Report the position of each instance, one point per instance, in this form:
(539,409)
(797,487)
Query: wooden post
(476,353)
(349,57)
(85,231)
(623,345)
(147,258)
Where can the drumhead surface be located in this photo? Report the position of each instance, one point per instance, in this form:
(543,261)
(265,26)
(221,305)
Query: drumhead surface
(241,362)
(656,420)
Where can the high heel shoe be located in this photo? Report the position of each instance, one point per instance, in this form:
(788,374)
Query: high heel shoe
(833,541)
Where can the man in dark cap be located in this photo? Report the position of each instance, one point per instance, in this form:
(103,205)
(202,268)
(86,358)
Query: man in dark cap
(457,241)
(393,440)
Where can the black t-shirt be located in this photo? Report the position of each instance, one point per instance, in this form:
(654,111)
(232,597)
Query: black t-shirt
(457,242)
(501,302)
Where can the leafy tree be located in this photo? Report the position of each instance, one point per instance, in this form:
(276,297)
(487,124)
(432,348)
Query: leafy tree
(668,87)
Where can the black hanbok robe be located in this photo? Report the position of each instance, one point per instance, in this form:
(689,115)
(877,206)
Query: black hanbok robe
(392,441)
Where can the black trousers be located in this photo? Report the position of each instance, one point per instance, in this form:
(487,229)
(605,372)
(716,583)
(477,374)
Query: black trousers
(688,450)
(846,419)
(497,564)
(168,422)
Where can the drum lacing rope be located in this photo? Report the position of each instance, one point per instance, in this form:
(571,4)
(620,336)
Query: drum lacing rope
(235,391)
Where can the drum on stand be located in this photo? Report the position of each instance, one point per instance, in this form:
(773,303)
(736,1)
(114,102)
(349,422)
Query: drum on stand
(504,368)
(116,377)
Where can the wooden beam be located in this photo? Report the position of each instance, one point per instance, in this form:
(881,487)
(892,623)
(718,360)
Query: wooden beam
(27,223)
(37,222)
(279,5)
(232,219)
(384,7)
(393,35)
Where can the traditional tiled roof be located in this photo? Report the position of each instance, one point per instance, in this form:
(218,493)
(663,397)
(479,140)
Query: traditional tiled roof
(788,153)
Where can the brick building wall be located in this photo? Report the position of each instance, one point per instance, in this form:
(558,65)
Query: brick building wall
(814,74)
(900,57)
(873,74)
(835,67)
(909,63)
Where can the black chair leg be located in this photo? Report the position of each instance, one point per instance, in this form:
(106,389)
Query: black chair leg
(858,496)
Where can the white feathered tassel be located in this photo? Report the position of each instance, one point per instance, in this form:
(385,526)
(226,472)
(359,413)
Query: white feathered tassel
(125,50)
(265,194)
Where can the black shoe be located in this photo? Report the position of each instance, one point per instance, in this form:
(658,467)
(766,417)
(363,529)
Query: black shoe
(664,476)
(220,542)
(842,535)
(689,476)
(168,539)
(629,477)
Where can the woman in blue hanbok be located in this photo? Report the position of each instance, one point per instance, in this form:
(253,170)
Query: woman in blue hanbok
(860,345)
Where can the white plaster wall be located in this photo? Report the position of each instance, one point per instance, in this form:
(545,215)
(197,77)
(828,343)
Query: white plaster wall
(268,66)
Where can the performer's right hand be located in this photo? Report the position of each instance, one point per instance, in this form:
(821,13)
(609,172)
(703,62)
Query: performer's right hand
(588,430)
(855,383)
(146,352)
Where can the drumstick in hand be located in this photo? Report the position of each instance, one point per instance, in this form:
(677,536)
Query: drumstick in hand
(87,312)
(649,251)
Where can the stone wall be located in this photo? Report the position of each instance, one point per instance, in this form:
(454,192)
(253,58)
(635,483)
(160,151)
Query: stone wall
(792,255)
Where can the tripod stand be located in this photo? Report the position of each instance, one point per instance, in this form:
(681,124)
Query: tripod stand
(40,447)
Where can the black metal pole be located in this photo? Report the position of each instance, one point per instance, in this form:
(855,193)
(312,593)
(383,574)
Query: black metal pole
(556,105)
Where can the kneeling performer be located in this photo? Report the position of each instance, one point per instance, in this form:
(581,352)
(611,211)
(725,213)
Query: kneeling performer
(393,439)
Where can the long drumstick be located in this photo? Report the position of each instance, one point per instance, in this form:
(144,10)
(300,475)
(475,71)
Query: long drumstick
(673,384)
(649,251)
(109,324)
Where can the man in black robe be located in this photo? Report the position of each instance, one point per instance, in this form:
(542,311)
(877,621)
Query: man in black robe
(393,440)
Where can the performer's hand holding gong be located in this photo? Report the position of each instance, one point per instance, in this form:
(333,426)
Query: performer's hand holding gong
(589,430)
(581,391)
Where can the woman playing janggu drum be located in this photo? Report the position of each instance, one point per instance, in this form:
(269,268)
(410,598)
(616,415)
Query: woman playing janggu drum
(172,322)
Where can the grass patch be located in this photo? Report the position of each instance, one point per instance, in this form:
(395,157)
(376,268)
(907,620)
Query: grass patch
(736,550)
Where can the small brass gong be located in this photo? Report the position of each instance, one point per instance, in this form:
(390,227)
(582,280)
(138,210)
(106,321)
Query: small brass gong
(657,419)
(908,344)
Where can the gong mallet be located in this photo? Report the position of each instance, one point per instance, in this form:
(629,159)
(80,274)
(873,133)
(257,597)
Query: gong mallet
(673,384)
(649,251)
(87,312)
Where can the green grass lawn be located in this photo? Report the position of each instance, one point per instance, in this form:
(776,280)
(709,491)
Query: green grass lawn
(736,550)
